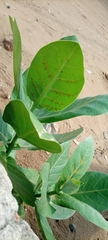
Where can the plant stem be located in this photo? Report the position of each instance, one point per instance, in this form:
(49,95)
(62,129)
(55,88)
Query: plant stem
(48,193)
(11,145)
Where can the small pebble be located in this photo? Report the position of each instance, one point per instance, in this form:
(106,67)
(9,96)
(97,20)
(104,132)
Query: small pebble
(88,71)
(7,44)
(72,227)
(76,142)
(105,135)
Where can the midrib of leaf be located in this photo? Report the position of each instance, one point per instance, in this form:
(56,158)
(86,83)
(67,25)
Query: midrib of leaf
(43,95)
(61,156)
(93,201)
(77,169)
(91,191)
(28,133)
(80,105)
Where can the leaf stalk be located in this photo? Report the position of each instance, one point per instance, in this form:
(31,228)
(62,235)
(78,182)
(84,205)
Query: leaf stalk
(11,145)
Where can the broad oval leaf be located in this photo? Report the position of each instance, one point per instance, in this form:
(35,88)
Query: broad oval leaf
(85,210)
(56,75)
(28,127)
(94,190)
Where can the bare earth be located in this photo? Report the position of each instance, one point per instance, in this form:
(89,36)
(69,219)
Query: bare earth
(41,22)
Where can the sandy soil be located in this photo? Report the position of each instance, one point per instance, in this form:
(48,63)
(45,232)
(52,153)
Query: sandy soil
(41,22)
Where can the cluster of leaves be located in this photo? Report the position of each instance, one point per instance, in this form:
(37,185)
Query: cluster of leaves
(47,92)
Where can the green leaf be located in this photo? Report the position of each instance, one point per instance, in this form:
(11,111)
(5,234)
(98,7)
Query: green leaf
(28,127)
(64,137)
(57,163)
(90,106)
(44,208)
(31,174)
(78,163)
(61,213)
(22,93)
(23,90)
(17,52)
(85,210)
(94,190)
(20,182)
(72,38)
(56,75)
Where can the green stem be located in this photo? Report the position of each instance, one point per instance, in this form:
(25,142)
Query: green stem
(48,193)
(11,145)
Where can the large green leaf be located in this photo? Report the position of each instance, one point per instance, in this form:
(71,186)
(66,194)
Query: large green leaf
(57,163)
(20,182)
(28,127)
(94,190)
(85,210)
(56,75)
(17,52)
(44,208)
(78,163)
(91,106)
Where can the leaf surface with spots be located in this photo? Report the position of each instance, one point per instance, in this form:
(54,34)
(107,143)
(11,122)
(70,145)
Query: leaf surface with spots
(56,75)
